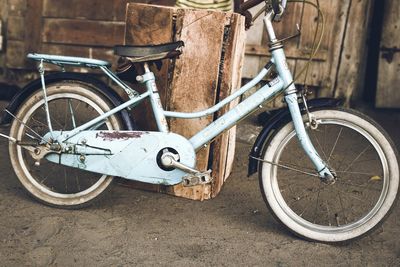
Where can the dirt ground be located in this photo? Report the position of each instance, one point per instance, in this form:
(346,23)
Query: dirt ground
(130,227)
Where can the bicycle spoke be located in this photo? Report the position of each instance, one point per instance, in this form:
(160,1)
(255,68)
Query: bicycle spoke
(351,172)
(72,113)
(319,145)
(343,209)
(317,202)
(77,182)
(334,145)
(54,120)
(358,156)
(65,179)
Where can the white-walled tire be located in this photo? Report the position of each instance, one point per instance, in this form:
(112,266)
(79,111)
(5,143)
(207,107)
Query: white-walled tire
(365,161)
(71,103)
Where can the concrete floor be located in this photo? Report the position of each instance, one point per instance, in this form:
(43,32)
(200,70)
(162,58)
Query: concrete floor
(131,227)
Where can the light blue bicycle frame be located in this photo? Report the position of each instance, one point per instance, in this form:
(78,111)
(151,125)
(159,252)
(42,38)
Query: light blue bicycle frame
(283,83)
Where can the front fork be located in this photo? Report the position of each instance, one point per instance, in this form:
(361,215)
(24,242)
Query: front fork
(323,170)
(279,60)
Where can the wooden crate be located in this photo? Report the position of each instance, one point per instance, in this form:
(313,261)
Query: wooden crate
(208,70)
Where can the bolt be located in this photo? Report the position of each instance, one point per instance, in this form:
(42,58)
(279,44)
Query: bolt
(84,141)
(139,78)
(55,147)
(37,163)
(82,158)
(37,151)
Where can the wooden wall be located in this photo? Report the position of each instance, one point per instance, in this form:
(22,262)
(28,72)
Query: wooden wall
(338,64)
(388,92)
(79,28)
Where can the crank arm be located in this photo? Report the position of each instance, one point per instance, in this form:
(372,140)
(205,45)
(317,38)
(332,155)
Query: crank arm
(194,177)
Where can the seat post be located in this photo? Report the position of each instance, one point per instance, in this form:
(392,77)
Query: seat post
(146,67)
(149,79)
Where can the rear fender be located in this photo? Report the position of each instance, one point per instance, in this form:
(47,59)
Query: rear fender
(274,119)
(36,85)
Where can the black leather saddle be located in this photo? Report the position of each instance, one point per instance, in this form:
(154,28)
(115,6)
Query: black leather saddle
(149,53)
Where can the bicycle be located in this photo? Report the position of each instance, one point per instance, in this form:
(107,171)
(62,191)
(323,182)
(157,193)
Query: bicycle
(328,174)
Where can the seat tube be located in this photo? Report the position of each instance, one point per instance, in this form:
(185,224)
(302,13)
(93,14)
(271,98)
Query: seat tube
(158,111)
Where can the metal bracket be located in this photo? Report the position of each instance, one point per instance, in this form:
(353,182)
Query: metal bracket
(46,105)
(312,121)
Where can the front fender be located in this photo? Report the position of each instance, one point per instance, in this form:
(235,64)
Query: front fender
(274,119)
(35,85)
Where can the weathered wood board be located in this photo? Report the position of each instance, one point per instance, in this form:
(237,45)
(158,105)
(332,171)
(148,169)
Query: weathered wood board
(388,89)
(198,79)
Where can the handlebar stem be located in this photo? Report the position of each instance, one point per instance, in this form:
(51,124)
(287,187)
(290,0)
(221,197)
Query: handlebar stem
(268,24)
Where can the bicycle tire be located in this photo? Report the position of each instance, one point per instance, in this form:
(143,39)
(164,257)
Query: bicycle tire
(365,160)
(50,183)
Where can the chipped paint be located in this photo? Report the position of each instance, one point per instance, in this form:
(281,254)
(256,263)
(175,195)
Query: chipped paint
(116,135)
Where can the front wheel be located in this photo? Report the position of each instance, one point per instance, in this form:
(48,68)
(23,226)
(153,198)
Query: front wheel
(365,161)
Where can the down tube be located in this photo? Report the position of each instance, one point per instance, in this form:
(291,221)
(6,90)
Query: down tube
(230,118)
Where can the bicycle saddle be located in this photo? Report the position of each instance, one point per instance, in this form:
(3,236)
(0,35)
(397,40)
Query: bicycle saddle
(147,53)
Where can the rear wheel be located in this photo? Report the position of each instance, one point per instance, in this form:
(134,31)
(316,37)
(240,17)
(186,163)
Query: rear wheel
(365,162)
(71,104)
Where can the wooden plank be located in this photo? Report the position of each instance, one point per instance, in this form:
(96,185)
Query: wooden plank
(190,27)
(14,58)
(17,7)
(150,25)
(224,145)
(238,47)
(110,10)
(34,20)
(387,94)
(352,58)
(31,35)
(83,32)
(88,9)
(16,28)
(292,52)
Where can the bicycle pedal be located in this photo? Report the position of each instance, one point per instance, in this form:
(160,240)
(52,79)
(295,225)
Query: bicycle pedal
(197,178)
